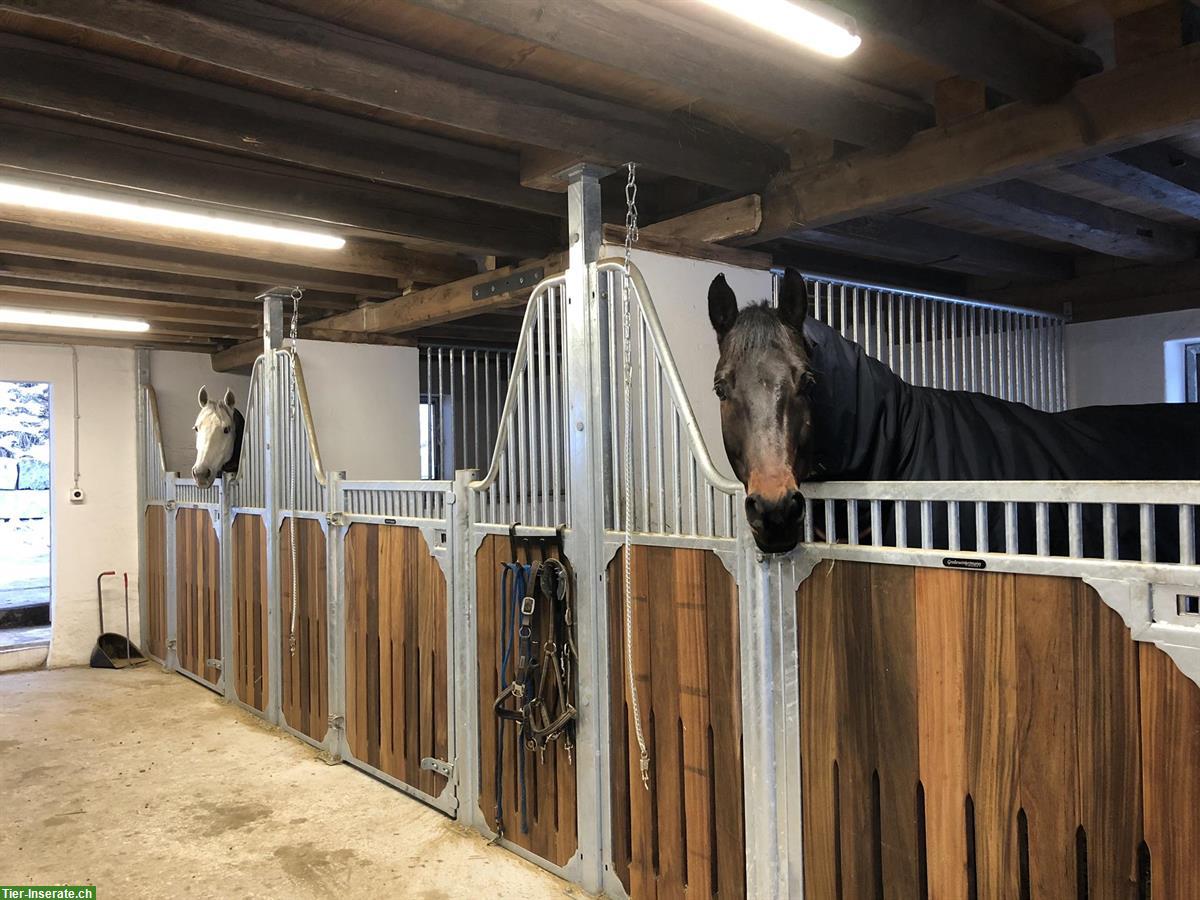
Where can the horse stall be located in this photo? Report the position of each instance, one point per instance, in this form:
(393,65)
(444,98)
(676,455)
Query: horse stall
(979,689)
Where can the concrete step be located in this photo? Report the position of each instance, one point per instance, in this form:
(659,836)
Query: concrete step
(25,606)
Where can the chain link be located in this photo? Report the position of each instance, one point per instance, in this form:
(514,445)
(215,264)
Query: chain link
(297,294)
(631,235)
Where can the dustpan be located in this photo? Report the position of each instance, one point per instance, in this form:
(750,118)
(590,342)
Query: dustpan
(114,651)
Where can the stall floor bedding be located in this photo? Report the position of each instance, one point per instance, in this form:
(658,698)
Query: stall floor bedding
(148,785)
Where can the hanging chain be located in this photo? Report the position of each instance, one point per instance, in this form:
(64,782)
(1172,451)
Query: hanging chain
(297,293)
(631,235)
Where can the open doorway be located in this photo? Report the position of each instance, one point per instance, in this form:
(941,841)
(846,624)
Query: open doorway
(24,515)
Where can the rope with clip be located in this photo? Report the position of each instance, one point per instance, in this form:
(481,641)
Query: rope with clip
(631,236)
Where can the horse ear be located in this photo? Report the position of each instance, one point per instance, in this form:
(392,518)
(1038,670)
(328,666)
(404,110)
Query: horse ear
(793,299)
(202,397)
(229,400)
(722,306)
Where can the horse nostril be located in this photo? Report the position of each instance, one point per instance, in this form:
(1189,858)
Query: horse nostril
(754,507)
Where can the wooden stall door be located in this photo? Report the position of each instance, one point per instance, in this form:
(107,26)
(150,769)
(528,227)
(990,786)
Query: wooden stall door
(549,783)
(155,588)
(251,681)
(980,735)
(197,593)
(686,835)
(305,698)
(397,690)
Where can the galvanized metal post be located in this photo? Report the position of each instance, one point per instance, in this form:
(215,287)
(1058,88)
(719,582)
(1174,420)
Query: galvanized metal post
(464,653)
(224,525)
(141,359)
(171,660)
(335,548)
(272,485)
(584,543)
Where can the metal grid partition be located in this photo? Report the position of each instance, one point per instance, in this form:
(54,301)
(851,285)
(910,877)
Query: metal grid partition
(248,490)
(462,395)
(304,482)
(384,500)
(527,479)
(676,488)
(949,342)
(158,484)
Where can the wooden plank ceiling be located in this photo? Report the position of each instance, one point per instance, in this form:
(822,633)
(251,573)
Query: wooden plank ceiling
(1035,151)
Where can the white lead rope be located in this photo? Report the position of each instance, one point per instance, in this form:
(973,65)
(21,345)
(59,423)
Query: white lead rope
(631,235)
(297,293)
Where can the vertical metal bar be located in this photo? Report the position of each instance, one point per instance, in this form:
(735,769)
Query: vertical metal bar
(891,331)
(842,317)
(1187,535)
(925,341)
(852,530)
(981,527)
(926,524)
(901,509)
(555,425)
(1110,530)
(953,529)
(1146,531)
(808,520)
(1010,527)
(545,323)
(642,416)
(659,436)
(854,300)
(1042,528)
(616,388)
(830,523)
(876,523)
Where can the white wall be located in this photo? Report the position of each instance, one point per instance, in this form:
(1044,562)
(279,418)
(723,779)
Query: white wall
(1118,361)
(100,534)
(679,288)
(177,377)
(364,402)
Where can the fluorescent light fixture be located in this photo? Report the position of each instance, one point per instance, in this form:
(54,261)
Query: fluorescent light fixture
(13,316)
(15,194)
(795,22)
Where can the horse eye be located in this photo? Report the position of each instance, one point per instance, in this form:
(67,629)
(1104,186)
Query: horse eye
(195,428)
(226,430)
(807,380)
(721,390)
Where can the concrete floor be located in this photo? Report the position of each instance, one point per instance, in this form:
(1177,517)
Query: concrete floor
(148,785)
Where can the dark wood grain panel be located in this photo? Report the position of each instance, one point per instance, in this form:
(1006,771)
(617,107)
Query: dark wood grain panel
(1170,717)
(305,697)
(396,611)
(1107,717)
(155,588)
(250,603)
(549,783)
(1047,742)
(686,834)
(197,593)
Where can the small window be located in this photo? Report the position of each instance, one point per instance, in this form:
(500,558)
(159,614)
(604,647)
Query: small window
(1191,377)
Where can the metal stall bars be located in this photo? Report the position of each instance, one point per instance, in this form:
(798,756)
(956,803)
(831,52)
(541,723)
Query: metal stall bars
(706,643)
(933,340)
(462,391)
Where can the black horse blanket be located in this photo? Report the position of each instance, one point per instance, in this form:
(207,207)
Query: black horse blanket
(870,425)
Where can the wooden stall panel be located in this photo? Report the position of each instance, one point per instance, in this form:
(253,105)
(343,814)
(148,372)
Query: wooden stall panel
(305,699)
(396,665)
(685,836)
(155,588)
(549,783)
(985,735)
(250,654)
(197,593)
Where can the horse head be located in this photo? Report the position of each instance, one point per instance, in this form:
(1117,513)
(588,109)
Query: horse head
(218,437)
(762,380)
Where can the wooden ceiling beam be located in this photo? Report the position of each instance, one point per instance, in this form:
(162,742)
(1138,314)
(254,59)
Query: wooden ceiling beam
(63,80)
(155,310)
(247,188)
(919,243)
(980,39)
(1156,173)
(713,224)
(1062,217)
(237,260)
(235,293)
(1105,113)
(270,43)
(23,334)
(1133,286)
(722,65)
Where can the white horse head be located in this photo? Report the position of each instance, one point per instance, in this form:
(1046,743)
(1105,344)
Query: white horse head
(218,430)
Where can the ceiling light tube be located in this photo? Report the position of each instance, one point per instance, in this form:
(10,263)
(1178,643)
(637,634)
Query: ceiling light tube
(795,22)
(42,318)
(58,200)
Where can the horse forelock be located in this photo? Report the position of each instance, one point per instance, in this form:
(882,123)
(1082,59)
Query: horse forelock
(759,329)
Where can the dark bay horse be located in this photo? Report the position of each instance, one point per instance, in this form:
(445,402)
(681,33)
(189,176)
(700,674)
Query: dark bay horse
(801,403)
